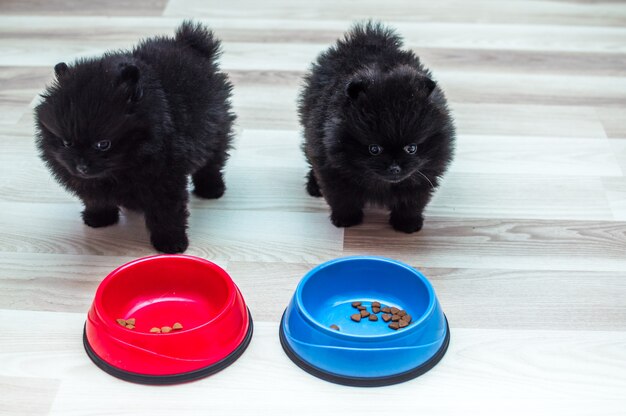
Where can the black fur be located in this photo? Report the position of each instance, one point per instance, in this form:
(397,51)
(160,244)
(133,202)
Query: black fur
(366,91)
(164,109)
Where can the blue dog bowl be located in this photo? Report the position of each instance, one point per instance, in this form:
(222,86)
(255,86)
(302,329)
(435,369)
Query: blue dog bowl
(365,353)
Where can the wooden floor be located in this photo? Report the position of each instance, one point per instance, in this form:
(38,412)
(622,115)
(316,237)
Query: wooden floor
(525,242)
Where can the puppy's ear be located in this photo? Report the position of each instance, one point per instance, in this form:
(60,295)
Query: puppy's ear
(129,73)
(60,69)
(429,86)
(46,118)
(356,87)
(129,76)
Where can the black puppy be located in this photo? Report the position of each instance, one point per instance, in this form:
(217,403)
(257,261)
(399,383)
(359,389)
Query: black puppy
(376,127)
(128,128)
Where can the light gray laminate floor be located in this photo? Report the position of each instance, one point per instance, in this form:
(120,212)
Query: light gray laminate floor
(525,242)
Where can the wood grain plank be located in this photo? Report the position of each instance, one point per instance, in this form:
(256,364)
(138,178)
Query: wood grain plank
(481,105)
(528,119)
(531,299)
(75,7)
(544,372)
(619,150)
(264,106)
(267,287)
(615,189)
(495,244)
(546,89)
(273,106)
(461,195)
(257,109)
(27,396)
(293,43)
(488,153)
(515,176)
(544,156)
(54,282)
(613,121)
(480,86)
(473,298)
(482,177)
(521,196)
(555,13)
(547,62)
(16,139)
(460,86)
(267,99)
(214,234)
(18,86)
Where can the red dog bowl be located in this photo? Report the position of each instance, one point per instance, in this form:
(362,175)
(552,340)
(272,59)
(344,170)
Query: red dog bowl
(159,291)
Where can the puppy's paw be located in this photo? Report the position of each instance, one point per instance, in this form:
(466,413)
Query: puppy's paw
(312,186)
(101,217)
(406,224)
(209,190)
(313,190)
(346,219)
(171,243)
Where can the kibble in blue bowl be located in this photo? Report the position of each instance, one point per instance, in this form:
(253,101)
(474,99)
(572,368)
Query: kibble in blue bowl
(321,332)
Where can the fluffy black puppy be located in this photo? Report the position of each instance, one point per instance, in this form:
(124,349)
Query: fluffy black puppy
(128,128)
(376,127)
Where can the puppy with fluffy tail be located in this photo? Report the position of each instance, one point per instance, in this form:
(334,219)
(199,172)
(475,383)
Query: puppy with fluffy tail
(377,128)
(126,129)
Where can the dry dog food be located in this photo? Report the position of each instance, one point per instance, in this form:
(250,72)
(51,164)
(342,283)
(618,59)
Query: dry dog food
(127,323)
(394,325)
(335,327)
(399,317)
(130,324)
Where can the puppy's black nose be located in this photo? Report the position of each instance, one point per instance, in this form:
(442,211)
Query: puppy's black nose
(82,168)
(394,169)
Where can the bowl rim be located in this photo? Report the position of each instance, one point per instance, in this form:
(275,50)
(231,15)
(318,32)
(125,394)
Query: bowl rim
(364,337)
(110,324)
(358,381)
(175,378)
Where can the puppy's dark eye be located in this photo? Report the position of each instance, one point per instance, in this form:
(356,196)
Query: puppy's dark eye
(67,143)
(103,145)
(410,148)
(375,149)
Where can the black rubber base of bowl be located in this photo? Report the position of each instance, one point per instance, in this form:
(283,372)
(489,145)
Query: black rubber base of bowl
(365,381)
(170,378)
